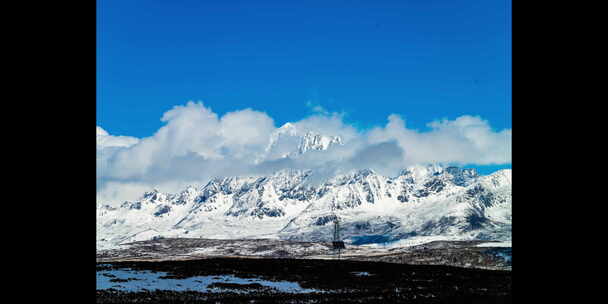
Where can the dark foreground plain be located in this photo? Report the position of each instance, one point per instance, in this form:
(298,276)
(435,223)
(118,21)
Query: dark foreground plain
(449,253)
(337,281)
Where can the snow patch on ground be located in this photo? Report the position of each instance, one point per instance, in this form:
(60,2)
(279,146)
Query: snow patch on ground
(495,244)
(410,242)
(130,280)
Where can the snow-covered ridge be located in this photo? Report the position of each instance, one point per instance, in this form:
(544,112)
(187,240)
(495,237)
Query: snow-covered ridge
(421,201)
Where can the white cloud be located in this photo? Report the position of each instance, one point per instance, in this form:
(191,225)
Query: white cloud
(465,140)
(317,108)
(195,144)
(105,140)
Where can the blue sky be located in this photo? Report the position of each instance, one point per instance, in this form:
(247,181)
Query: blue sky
(423,60)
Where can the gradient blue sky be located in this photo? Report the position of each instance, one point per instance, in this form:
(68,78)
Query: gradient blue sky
(424,60)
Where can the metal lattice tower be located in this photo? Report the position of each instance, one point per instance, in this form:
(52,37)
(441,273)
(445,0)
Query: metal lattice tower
(337,241)
(336,230)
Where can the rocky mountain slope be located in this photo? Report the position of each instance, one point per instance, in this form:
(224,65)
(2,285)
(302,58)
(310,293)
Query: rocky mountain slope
(422,201)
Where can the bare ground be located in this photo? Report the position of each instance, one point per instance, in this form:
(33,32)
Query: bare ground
(450,253)
(337,279)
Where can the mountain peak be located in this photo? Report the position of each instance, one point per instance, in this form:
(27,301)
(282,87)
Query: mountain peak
(315,141)
(287,128)
(291,141)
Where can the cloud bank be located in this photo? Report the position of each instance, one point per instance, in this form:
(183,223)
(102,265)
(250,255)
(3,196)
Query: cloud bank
(195,144)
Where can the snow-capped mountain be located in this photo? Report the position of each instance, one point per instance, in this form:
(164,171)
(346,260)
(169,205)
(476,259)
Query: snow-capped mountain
(422,201)
(289,141)
(430,201)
